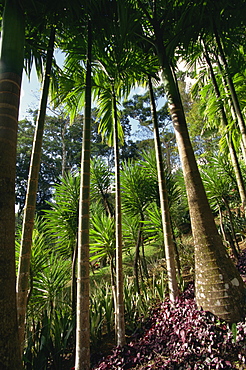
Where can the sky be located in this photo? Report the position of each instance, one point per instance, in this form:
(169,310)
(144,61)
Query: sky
(30,94)
(30,91)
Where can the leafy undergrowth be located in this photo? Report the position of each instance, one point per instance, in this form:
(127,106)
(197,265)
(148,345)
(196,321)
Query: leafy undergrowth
(181,337)
(241,265)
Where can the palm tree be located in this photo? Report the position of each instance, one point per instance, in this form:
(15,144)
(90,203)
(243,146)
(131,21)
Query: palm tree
(62,223)
(219,184)
(30,206)
(229,82)
(102,241)
(106,106)
(101,181)
(166,219)
(214,107)
(121,66)
(11,66)
(82,357)
(107,86)
(219,287)
(114,80)
(48,306)
(140,188)
(234,159)
(174,197)
(120,321)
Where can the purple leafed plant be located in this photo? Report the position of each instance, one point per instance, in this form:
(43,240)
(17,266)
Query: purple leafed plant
(181,337)
(241,265)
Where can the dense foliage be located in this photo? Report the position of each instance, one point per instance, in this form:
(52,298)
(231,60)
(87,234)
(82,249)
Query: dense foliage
(107,211)
(180,336)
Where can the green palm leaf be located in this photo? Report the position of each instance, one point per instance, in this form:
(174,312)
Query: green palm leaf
(62,218)
(102,237)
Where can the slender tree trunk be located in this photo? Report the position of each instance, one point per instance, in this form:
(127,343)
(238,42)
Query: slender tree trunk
(227,236)
(82,361)
(219,287)
(64,151)
(107,206)
(11,66)
(165,212)
(233,155)
(234,250)
(230,105)
(31,196)
(176,254)
(243,151)
(73,284)
(136,258)
(222,228)
(236,105)
(143,260)
(113,285)
(141,273)
(168,154)
(118,228)
(233,113)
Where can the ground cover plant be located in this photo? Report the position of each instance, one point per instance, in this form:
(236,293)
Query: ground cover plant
(181,337)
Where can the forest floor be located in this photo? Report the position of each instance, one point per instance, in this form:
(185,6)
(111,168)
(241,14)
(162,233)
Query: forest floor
(177,337)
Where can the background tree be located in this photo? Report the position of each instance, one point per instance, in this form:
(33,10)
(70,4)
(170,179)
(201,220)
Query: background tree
(58,136)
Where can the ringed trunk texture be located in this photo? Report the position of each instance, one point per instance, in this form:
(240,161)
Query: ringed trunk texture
(119,309)
(82,356)
(219,287)
(9,340)
(11,66)
(165,212)
(136,264)
(31,196)
(73,280)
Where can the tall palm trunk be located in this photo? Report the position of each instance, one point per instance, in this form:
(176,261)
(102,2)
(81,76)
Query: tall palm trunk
(136,264)
(230,105)
(235,102)
(11,66)
(64,149)
(83,283)
(219,287)
(233,155)
(235,250)
(31,196)
(73,277)
(119,309)
(165,212)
